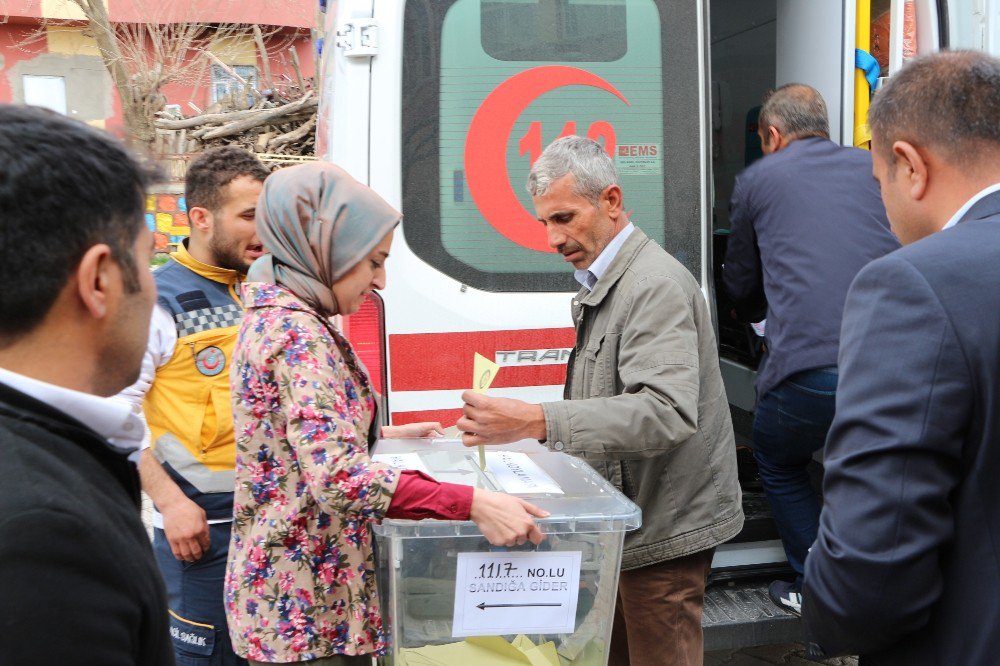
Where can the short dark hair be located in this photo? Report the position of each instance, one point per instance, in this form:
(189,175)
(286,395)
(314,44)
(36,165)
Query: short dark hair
(949,101)
(797,110)
(214,169)
(64,187)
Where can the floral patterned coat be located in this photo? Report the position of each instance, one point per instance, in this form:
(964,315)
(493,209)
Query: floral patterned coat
(300,581)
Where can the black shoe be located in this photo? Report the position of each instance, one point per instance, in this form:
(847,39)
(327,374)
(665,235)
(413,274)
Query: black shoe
(786,595)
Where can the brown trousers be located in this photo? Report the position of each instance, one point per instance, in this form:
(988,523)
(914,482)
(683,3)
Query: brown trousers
(658,613)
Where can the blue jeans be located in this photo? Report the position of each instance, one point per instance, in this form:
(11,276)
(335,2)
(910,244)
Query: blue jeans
(790,424)
(195,596)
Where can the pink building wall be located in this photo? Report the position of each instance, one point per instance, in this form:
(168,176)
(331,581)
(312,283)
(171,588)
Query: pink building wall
(90,94)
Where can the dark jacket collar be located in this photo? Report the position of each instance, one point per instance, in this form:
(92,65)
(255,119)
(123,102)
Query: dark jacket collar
(22,407)
(988,206)
(626,255)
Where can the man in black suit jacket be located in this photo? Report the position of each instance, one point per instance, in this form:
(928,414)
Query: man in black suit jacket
(78,582)
(804,220)
(906,566)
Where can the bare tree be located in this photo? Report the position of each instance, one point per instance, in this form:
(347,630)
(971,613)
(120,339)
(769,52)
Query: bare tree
(143,58)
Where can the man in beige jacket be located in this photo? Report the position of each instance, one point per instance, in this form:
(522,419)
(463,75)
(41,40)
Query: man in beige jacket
(644,403)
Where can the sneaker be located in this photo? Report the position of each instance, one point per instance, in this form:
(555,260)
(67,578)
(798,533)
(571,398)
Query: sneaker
(786,595)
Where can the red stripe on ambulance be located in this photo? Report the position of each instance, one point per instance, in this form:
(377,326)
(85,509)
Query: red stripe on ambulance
(446,417)
(443,361)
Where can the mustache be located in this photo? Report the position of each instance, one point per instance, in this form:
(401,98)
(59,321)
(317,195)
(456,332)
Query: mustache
(569,247)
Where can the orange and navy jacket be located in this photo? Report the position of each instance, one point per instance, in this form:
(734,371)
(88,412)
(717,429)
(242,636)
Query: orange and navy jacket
(188,406)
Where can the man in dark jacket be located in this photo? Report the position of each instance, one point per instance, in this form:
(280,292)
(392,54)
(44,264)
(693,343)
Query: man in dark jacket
(805,219)
(907,562)
(78,580)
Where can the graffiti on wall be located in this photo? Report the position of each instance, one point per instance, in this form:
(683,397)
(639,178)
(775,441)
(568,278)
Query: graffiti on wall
(166,217)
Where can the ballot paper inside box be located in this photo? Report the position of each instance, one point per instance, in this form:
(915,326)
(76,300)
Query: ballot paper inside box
(450,598)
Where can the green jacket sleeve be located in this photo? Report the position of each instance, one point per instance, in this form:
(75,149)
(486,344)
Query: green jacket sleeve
(657,408)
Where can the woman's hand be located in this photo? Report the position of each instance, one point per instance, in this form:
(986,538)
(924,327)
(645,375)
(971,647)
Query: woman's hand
(505,520)
(413,430)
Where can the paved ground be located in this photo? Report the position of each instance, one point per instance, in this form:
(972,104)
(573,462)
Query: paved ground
(787,655)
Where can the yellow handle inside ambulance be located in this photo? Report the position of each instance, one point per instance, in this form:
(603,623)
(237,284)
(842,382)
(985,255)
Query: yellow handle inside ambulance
(862,94)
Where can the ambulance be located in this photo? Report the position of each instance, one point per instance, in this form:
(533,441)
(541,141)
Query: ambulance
(441,106)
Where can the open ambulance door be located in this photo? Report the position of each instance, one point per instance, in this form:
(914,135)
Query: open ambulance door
(757,45)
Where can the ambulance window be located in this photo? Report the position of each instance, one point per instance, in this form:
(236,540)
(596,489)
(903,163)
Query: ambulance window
(487,84)
(554,30)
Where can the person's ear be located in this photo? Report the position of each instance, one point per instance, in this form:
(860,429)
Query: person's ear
(774,138)
(200,218)
(94,279)
(611,198)
(912,165)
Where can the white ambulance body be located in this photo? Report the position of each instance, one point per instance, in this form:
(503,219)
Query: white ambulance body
(442,105)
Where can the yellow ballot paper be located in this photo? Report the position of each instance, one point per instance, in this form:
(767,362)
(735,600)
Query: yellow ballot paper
(484,371)
(482,651)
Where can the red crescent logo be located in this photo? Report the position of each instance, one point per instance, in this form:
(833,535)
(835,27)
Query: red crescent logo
(486,148)
(211,361)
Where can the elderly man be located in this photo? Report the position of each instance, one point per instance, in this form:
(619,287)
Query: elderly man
(907,560)
(76,568)
(644,403)
(805,219)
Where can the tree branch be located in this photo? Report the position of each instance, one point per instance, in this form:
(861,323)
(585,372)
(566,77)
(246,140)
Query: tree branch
(261,118)
(264,60)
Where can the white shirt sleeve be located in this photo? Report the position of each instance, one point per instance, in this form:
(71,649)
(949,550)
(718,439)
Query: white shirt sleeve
(159,350)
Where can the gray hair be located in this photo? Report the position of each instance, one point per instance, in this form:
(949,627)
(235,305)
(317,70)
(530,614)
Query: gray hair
(797,110)
(593,170)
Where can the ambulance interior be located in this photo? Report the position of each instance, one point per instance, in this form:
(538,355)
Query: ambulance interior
(756,45)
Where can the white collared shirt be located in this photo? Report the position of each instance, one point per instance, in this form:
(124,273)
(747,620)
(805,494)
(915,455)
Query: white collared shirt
(588,277)
(111,418)
(969,204)
(159,350)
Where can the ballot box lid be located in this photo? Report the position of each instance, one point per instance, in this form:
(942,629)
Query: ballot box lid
(578,498)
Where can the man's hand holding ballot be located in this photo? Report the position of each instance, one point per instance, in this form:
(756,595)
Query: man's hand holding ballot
(499,420)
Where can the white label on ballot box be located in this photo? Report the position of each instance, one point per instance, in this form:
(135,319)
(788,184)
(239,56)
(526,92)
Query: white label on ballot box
(516,593)
(518,474)
(402,461)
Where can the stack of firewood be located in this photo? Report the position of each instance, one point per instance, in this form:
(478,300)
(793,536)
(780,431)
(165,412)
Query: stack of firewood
(277,122)
(276,127)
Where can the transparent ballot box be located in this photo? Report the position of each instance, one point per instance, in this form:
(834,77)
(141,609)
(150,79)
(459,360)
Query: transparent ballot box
(450,598)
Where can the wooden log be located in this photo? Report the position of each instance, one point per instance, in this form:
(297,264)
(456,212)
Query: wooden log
(262,140)
(295,135)
(204,119)
(260,118)
(294,117)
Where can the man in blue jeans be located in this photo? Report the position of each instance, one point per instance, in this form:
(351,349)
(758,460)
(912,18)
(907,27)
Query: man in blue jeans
(804,220)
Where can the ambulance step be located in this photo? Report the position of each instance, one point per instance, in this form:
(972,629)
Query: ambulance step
(740,614)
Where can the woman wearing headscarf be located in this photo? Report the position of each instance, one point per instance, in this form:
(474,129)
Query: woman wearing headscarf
(300,583)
